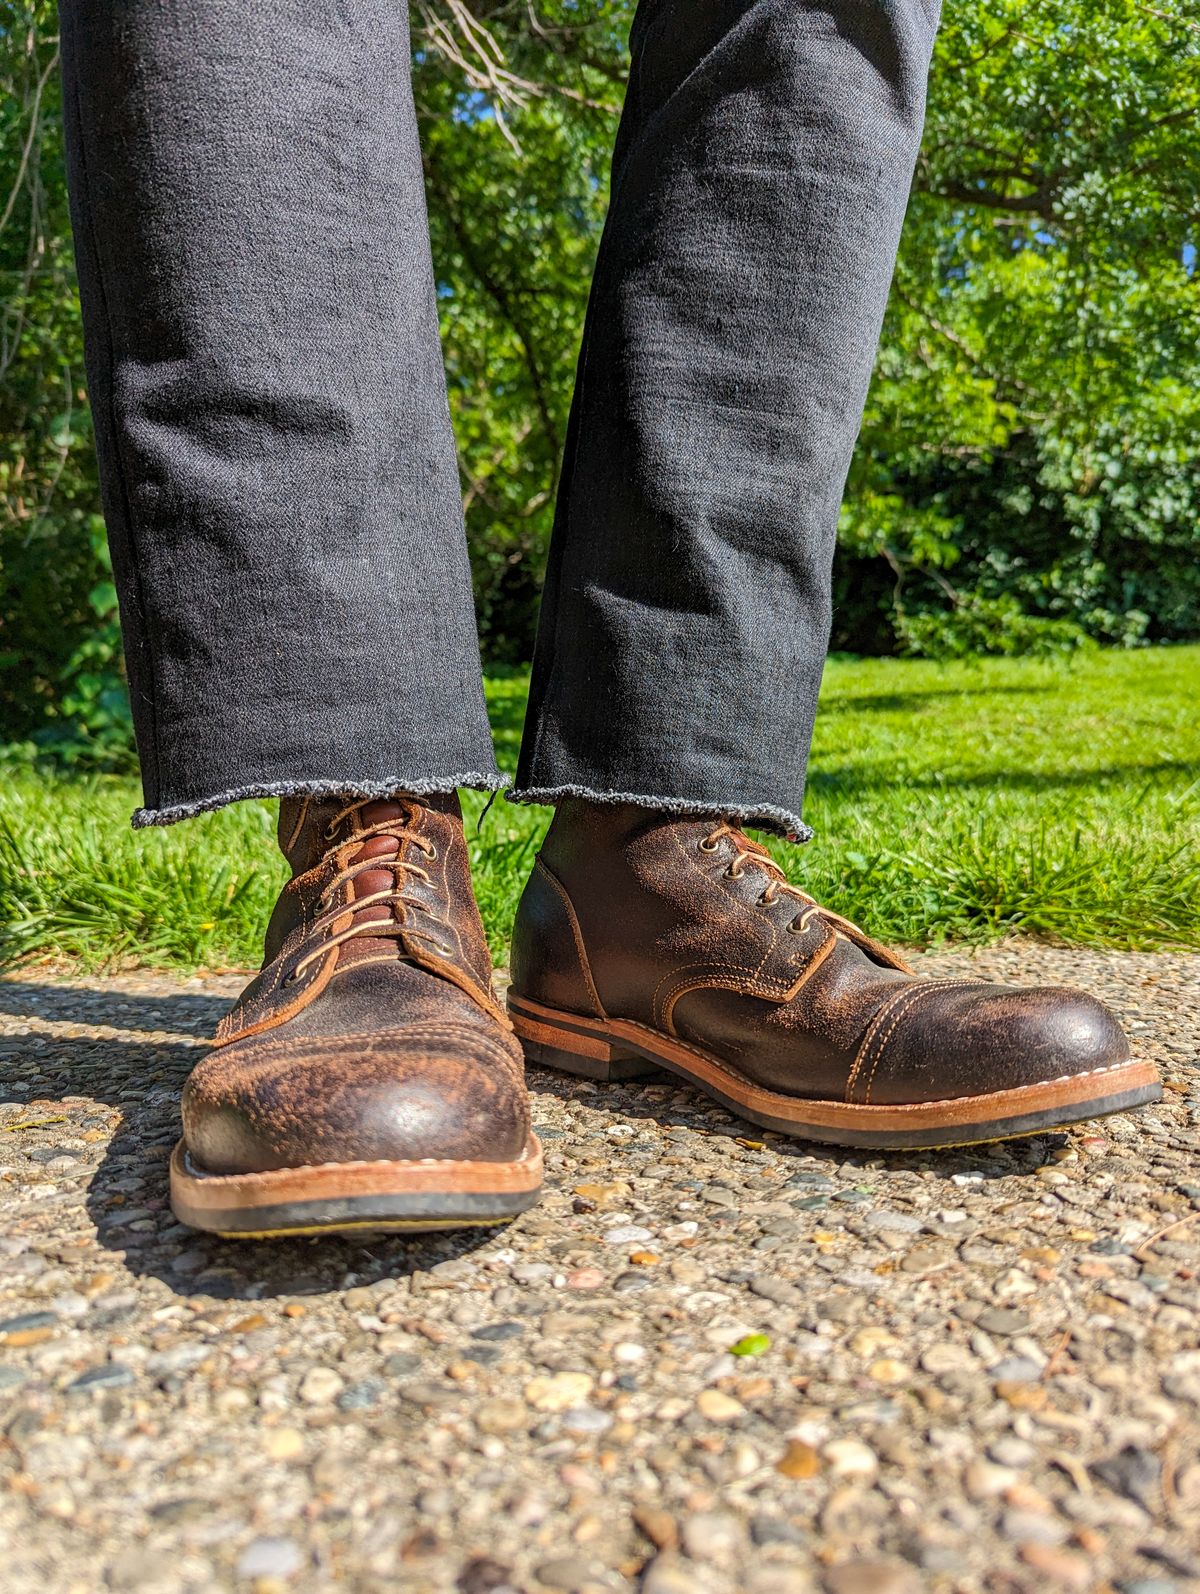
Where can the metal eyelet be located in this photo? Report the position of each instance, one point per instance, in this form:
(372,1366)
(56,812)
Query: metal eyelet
(733,874)
(706,844)
(792,929)
(430,851)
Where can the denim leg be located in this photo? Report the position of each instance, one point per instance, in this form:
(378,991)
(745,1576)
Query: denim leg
(269,402)
(760,178)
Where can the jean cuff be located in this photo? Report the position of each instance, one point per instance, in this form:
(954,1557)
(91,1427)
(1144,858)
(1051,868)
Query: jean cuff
(428,785)
(764,816)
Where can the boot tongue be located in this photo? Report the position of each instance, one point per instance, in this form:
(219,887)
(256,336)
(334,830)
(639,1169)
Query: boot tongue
(372,881)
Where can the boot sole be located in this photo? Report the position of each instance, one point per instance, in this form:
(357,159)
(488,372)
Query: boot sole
(335,1197)
(615,1049)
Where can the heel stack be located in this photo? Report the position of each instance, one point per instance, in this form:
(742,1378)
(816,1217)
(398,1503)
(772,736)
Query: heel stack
(573,1050)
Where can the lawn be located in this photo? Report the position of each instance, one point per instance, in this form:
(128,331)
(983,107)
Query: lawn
(969,800)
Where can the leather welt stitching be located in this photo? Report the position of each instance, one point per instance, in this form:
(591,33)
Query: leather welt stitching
(309,989)
(873,1027)
(898,1012)
(577,935)
(895,1010)
(305,805)
(693,978)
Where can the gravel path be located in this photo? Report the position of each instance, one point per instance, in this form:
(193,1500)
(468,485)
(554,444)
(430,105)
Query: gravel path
(711,1362)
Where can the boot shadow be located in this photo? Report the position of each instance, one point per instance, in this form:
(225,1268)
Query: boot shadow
(127,1197)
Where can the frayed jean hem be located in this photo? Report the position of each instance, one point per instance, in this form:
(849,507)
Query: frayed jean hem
(764,816)
(432,785)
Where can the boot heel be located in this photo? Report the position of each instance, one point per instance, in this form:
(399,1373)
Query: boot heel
(589,1056)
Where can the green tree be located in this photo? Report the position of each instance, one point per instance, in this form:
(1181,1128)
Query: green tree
(1027,475)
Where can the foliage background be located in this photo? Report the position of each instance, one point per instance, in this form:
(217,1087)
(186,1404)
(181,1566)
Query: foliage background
(1027,478)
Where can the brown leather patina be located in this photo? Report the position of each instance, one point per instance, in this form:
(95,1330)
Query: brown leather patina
(679,940)
(372,1033)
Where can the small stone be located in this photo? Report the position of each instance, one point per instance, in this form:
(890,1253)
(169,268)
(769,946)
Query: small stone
(887,1371)
(499,1331)
(667,1575)
(627,1234)
(895,1222)
(774,1289)
(570,1573)
(109,1375)
(361,1396)
(659,1526)
(718,1406)
(25,1322)
(586,1420)
(270,1557)
(481,1575)
(585,1278)
(871,1577)
(1062,1566)
(849,1458)
(869,1340)
(711,1536)
(558,1391)
(12,1378)
(1016,1370)
(799,1460)
(502,1414)
(766,1530)
(284,1444)
(533,1272)
(1002,1320)
(320,1386)
(985,1480)
(1032,1527)
(1133,1472)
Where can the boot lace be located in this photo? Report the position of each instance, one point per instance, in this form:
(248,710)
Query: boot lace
(348,868)
(778,884)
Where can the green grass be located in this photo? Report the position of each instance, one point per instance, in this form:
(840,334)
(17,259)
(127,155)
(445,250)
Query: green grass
(969,800)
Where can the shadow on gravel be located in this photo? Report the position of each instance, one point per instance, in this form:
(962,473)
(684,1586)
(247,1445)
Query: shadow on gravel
(127,1196)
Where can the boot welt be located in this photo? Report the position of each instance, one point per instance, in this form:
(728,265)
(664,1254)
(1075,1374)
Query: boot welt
(614,1048)
(330,1197)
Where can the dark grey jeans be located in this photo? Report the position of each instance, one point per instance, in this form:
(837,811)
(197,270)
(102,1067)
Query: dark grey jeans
(275,444)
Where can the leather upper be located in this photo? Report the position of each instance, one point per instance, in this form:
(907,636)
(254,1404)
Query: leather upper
(675,924)
(372,1032)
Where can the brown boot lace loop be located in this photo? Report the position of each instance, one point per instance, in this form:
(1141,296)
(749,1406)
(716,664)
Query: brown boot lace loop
(778,883)
(400,830)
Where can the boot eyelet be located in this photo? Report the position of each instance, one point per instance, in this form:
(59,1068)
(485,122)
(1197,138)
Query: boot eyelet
(797,929)
(733,874)
(706,844)
(430,851)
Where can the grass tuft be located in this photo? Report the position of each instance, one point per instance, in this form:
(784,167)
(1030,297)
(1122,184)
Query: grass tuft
(964,801)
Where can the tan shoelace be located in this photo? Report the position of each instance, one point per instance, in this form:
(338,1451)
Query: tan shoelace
(778,883)
(401,868)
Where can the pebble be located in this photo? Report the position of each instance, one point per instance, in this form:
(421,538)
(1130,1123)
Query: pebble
(1061,1566)
(320,1386)
(270,1557)
(558,1391)
(667,1575)
(886,1422)
(711,1536)
(109,1375)
(871,1577)
(1032,1527)
(850,1458)
(718,1406)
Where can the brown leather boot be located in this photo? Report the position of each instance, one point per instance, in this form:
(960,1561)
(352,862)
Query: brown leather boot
(366,1078)
(644,939)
